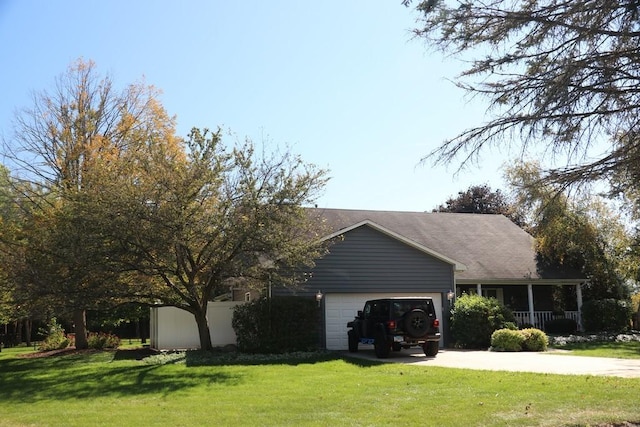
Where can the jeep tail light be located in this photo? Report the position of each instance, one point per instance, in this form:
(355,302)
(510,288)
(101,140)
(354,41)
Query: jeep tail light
(391,324)
(436,323)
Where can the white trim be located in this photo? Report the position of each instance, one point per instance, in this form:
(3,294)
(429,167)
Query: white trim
(530,298)
(579,301)
(518,282)
(458,266)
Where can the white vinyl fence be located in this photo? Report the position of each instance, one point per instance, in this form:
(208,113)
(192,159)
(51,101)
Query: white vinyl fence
(175,329)
(541,317)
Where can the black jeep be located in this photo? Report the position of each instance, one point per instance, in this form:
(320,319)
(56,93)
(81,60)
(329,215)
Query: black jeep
(396,323)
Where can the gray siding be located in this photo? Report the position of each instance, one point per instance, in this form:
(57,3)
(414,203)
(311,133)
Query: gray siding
(370,261)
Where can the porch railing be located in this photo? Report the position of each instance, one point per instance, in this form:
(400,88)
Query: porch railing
(541,317)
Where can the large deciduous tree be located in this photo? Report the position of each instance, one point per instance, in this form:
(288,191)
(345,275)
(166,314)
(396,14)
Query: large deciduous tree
(559,75)
(580,233)
(56,144)
(481,199)
(221,218)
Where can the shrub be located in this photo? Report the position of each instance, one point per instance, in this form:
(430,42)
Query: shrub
(561,326)
(534,340)
(277,325)
(474,318)
(506,340)
(529,339)
(55,337)
(606,315)
(103,340)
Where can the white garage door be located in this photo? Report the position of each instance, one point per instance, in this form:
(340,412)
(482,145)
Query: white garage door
(342,308)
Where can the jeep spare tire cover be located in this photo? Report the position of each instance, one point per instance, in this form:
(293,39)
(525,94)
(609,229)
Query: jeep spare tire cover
(416,323)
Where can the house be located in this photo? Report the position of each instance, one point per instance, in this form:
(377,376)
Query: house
(375,254)
(441,255)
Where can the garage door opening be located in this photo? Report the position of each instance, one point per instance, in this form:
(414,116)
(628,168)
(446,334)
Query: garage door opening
(342,308)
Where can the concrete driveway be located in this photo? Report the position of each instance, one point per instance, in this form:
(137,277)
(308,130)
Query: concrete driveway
(551,362)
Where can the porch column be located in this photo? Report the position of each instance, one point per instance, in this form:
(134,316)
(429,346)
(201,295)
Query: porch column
(530,298)
(579,299)
(479,288)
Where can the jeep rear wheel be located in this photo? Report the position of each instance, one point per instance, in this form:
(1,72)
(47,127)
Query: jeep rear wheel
(381,346)
(416,323)
(431,348)
(353,341)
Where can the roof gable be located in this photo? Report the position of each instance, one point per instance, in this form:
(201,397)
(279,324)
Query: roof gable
(458,266)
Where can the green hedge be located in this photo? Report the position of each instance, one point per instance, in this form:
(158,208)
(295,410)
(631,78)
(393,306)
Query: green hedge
(474,318)
(606,315)
(277,325)
(529,339)
(506,340)
(534,340)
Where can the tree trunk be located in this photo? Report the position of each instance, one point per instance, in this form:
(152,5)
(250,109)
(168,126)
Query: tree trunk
(27,331)
(80,321)
(18,332)
(203,330)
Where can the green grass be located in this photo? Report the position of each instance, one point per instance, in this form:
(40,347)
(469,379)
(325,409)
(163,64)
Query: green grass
(115,389)
(126,343)
(621,350)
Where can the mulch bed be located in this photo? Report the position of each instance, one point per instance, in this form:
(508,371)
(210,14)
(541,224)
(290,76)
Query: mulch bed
(134,353)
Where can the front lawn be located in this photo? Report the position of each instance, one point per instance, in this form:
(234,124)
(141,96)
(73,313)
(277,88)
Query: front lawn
(114,388)
(621,350)
(621,346)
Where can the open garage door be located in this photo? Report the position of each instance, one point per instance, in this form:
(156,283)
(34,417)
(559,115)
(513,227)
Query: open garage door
(342,308)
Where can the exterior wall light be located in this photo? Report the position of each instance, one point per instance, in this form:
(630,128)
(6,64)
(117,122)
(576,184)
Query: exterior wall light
(319,297)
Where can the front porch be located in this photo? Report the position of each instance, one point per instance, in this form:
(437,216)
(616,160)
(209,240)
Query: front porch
(533,303)
(539,318)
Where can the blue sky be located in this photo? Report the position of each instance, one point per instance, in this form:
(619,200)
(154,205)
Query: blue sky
(342,83)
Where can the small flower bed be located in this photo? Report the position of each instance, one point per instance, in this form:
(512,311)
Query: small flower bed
(560,341)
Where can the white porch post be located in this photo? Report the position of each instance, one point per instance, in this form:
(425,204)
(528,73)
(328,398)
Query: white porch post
(579,298)
(479,288)
(530,298)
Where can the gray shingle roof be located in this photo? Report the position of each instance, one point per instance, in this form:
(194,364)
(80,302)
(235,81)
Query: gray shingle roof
(491,247)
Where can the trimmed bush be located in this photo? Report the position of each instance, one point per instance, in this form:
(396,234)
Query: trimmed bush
(610,315)
(561,326)
(534,340)
(506,340)
(277,325)
(529,339)
(475,318)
